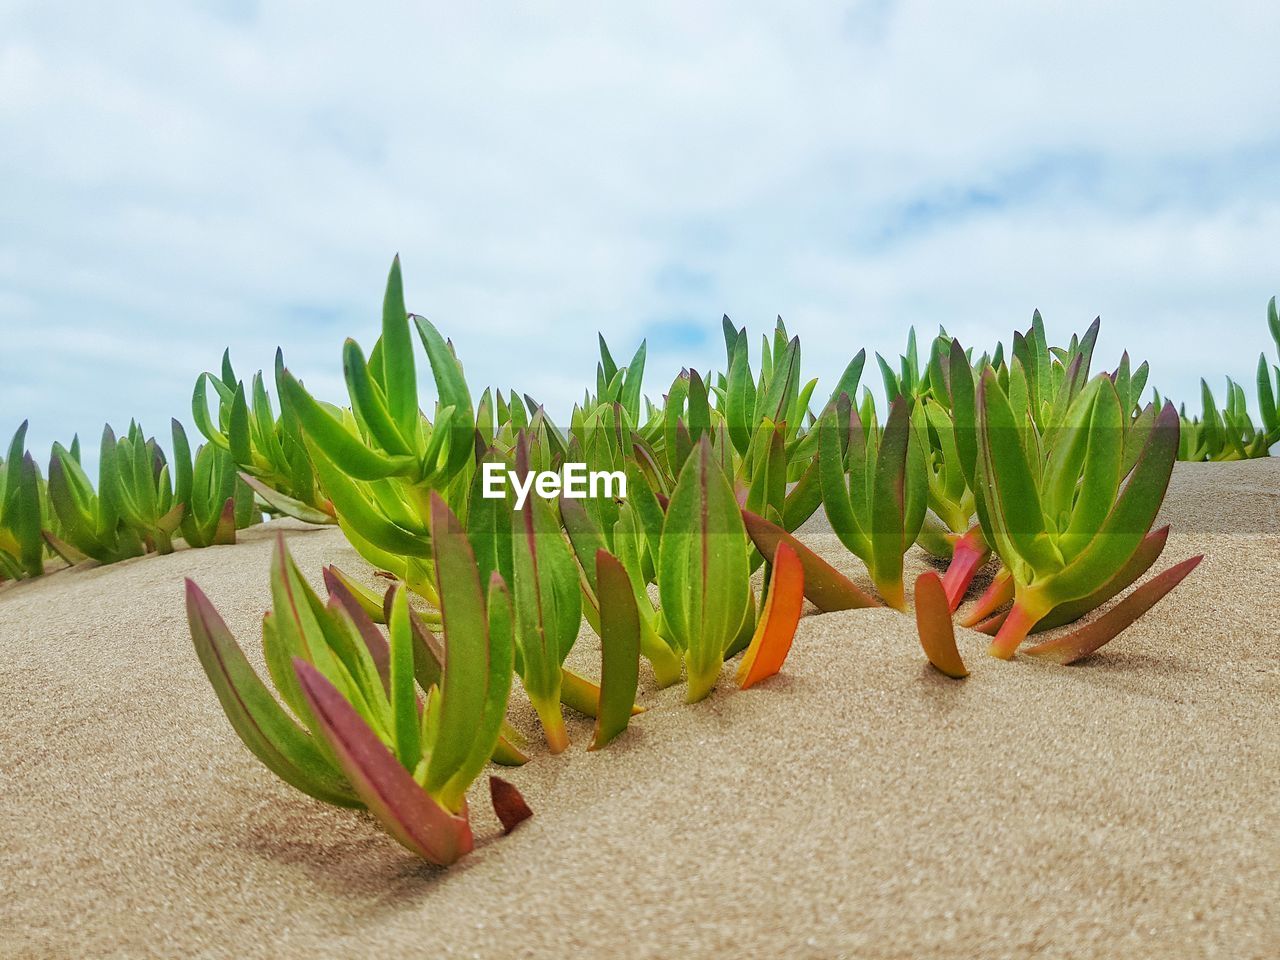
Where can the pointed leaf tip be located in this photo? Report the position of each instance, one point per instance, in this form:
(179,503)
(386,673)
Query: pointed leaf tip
(508,804)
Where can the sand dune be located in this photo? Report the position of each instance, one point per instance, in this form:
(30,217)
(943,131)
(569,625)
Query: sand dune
(859,805)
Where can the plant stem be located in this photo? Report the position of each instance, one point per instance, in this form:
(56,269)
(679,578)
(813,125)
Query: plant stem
(970,553)
(664,661)
(552,724)
(1013,631)
(993,598)
(700,682)
(892,592)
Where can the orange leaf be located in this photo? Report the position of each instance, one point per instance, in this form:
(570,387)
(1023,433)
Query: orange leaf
(777,628)
(933,623)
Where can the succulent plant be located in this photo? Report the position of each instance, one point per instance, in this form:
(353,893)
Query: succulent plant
(1221,434)
(215,501)
(21,512)
(1229,433)
(379,461)
(91,523)
(1066,523)
(1019,456)
(1041,381)
(874,488)
(147,501)
(363,736)
(619,385)
(268,450)
(906,381)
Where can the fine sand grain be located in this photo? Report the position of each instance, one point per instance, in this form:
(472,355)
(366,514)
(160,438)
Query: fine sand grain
(858,805)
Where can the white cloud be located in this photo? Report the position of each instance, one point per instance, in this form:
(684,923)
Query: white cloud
(178,181)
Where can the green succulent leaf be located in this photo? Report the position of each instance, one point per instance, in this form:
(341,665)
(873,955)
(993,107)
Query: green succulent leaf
(284,748)
(703,569)
(466,667)
(620,649)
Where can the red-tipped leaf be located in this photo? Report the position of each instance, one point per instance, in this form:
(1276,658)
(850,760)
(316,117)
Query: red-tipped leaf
(1143,558)
(341,597)
(373,605)
(998,593)
(1080,643)
(225,532)
(259,720)
(970,553)
(402,807)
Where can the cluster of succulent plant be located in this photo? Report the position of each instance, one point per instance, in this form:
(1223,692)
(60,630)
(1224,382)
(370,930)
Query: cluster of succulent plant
(1229,433)
(663,574)
(268,450)
(1068,474)
(22,500)
(143,500)
(1016,462)
(1026,459)
(398,726)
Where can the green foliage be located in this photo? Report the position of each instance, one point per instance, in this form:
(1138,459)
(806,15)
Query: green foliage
(1061,512)
(875,487)
(379,460)
(267,449)
(21,512)
(364,736)
(215,502)
(1229,432)
(147,502)
(1018,455)
(703,570)
(92,522)
(619,649)
(548,605)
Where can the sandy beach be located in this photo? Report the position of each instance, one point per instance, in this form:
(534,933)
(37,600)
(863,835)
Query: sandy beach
(858,805)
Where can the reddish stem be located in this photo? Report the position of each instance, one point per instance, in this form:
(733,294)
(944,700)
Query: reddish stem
(993,598)
(970,553)
(1013,631)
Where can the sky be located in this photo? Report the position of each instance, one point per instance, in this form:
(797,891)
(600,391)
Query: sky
(180,178)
